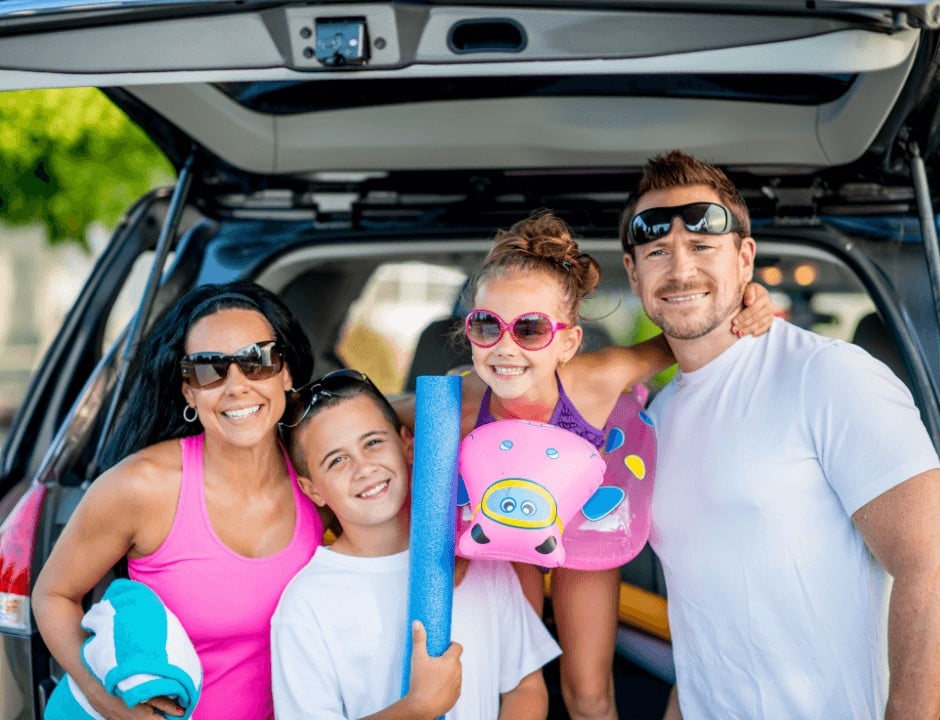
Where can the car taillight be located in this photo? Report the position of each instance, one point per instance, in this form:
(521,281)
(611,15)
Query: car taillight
(17,535)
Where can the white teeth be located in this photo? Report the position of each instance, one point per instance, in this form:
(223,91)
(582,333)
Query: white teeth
(510,371)
(373,491)
(243,412)
(685,298)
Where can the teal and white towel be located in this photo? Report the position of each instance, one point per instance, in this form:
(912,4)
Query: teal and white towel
(138,650)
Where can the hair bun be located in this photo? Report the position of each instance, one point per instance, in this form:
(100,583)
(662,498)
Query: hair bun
(545,241)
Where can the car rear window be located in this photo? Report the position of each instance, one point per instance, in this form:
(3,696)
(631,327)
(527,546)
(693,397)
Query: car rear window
(285,98)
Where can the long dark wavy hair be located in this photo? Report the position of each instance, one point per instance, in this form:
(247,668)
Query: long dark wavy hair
(153,410)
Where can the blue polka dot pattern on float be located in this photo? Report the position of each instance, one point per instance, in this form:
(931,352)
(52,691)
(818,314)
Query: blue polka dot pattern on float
(611,525)
(614,523)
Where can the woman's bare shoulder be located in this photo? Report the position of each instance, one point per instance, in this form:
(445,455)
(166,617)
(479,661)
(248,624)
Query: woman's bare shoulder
(146,475)
(132,504)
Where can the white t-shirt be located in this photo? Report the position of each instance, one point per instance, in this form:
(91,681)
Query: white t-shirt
(338,637)
(776,606)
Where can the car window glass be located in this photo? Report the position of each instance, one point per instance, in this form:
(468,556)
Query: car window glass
(128,300)
(817,292)
(382,326)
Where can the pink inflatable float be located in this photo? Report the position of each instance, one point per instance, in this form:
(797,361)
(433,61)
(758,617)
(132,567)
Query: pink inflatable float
(614,523)
(535,493)
(525,482)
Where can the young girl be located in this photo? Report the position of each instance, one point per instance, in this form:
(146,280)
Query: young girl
(524,336)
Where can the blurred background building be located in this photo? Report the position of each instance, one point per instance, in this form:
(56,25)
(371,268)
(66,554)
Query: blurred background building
(38,283)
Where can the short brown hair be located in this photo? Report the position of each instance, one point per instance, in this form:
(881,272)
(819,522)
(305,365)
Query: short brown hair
(336,396)
(677,169)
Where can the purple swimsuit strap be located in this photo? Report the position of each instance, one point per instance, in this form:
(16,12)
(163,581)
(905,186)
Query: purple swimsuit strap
(565,416)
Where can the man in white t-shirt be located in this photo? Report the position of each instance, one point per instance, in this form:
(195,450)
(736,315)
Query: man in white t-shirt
(793,474)
(338,634)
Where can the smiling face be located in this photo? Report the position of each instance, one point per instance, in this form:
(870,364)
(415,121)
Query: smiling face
(690,284)
(511,371)
(238,411)
(359,466)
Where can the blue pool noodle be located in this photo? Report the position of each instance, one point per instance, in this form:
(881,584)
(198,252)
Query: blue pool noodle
(433,518)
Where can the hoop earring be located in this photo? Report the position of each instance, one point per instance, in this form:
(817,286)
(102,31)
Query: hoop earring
(186,415)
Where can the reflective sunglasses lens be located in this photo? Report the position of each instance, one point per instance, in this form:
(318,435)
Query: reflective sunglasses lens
(532,331)
(203,370)
(296,407)
(483,328)
(703,218)
(259,361)
(208,374)
(706,218)
(300,401)
(650,225)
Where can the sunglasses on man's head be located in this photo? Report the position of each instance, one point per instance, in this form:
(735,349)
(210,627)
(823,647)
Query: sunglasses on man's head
(258,361)
(300,400)
(706,218)
(530,331)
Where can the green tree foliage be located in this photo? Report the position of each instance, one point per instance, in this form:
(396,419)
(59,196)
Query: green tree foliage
(69,159)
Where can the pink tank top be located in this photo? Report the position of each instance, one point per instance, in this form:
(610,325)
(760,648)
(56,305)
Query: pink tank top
(224,600)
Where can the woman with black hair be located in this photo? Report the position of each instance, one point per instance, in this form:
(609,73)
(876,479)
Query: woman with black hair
(201,500)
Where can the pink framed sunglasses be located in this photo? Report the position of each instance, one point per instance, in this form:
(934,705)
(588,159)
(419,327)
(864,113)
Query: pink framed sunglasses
(530,331)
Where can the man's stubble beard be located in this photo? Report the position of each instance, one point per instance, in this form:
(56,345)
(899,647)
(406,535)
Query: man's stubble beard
(694,329)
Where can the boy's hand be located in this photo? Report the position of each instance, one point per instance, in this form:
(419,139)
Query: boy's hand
(758,313)
(435,681)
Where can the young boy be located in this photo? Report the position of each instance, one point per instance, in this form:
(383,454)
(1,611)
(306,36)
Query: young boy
(338,634)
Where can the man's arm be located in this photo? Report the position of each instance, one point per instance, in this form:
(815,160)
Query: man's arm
(672,707)
(902,529)
(527,701)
